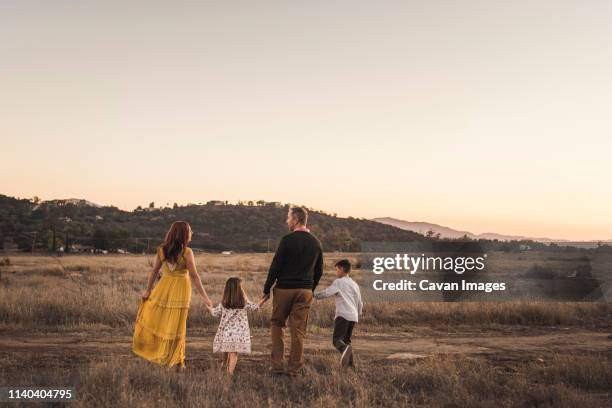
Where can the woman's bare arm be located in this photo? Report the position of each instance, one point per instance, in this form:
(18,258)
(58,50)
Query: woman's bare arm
(151,279)
(193,273)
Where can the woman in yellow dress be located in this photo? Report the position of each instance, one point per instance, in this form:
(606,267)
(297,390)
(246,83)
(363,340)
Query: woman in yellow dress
(161,324)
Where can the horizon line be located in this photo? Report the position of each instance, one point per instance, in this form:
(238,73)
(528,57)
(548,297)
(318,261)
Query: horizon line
(333,214)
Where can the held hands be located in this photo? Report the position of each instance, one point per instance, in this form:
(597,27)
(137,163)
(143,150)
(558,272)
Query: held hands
(208,303)
(264,298)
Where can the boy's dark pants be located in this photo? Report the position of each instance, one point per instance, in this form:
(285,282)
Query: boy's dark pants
(343,330)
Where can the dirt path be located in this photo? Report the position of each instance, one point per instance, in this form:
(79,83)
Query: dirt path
(91,346)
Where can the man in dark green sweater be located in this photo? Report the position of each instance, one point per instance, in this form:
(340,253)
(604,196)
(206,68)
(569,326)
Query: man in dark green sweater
(296,270)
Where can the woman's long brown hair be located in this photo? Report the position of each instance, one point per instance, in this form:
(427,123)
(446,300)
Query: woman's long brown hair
(176,240)
(233,295)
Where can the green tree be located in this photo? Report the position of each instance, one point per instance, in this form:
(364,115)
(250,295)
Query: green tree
(100,239)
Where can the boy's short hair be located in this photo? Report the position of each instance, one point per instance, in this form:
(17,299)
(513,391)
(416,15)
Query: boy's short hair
(344,264)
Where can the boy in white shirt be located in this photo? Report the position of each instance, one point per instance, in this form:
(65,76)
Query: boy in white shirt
(348,309)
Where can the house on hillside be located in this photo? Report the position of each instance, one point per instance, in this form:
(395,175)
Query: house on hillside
(80,248)
(215,203)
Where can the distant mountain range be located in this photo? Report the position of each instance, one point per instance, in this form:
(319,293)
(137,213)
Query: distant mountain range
(447,232)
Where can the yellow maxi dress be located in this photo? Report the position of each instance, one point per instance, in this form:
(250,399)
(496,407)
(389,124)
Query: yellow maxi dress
(161,323)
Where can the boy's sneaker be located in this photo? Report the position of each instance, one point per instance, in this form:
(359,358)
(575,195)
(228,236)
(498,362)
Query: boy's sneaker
(347,356)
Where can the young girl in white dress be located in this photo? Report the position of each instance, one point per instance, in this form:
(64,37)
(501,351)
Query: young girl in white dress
(233,335)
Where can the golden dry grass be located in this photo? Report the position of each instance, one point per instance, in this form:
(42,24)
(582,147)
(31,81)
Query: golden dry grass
(443,381)
(81,290)
(80,293)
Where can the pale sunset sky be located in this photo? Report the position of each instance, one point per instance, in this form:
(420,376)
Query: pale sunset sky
(478,115)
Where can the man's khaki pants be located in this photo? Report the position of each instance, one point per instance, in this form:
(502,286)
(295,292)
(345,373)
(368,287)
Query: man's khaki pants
(293,304)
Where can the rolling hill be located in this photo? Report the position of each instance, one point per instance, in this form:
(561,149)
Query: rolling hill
(446,232)
(80,225)
(423,227)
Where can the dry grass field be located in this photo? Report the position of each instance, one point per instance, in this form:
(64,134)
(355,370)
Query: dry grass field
(67,321)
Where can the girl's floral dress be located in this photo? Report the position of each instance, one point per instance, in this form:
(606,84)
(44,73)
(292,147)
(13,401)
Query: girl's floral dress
(233,334)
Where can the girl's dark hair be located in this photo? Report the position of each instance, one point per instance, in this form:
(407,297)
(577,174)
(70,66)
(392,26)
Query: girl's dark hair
(176,240)
(233,295)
